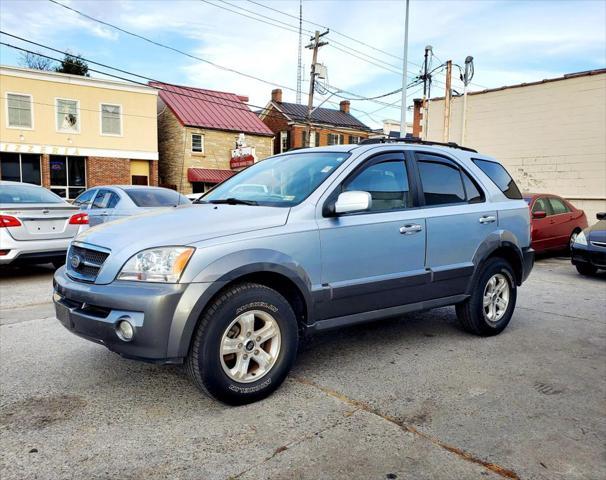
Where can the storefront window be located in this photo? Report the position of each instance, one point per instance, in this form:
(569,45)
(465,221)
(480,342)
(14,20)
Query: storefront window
(20,167)
(67,175)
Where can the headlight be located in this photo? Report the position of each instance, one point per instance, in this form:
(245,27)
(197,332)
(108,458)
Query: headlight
(157,265)
(581,239)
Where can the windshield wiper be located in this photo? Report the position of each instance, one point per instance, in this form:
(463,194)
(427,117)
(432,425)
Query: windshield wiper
(233,201)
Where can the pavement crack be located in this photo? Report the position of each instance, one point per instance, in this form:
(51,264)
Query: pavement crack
(493,467)
(292,444)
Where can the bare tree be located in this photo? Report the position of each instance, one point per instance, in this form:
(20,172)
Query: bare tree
(37,62)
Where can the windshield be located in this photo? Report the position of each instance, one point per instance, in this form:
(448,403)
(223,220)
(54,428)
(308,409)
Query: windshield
(282,181)
(156,197)
(27,194)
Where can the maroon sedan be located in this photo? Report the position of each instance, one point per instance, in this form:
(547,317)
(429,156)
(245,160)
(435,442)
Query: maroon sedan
(555,221)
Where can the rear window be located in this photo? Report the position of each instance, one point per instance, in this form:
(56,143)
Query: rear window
(497,173)
(156,197)
(27,194)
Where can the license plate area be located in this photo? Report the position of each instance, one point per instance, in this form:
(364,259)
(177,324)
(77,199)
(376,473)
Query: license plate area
(45,226)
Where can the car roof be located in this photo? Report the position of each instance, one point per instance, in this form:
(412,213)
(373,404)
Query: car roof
(9,182)
(131,187)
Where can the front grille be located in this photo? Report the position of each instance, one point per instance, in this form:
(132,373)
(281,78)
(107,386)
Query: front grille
(84,263)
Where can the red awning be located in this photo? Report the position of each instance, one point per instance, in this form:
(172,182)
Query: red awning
(208,175)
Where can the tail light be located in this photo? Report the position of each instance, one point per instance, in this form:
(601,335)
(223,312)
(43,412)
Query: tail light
(9,221)
(79,219)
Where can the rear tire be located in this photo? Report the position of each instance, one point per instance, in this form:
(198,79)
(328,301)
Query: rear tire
(586,269)
(489,309)
(230,358)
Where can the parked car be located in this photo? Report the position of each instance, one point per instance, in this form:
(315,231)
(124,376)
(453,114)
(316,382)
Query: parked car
(588,252)
(555,221)
(36,225)
(344,234)
(112,202)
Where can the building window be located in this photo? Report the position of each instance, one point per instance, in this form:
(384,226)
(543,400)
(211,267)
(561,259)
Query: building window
(20,167)
(197,143)
(283,142)
(67,176)
(335,139)
(68,115)
(314,139)
(354,139)
(19,110)
(111,119)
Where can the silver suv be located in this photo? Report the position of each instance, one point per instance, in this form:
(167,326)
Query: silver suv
(339,235)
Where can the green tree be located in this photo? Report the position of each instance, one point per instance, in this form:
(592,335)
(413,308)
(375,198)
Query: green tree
(74,65)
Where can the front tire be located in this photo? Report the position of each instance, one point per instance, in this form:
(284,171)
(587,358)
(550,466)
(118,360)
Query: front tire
(245,344)
(586,269)
(489,309)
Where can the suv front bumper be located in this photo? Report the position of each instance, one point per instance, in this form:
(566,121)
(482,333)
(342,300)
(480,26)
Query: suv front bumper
(93,312)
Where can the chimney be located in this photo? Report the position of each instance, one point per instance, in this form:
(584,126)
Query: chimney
(344,106)
(276,95)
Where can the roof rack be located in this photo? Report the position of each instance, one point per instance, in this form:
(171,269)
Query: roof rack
(417,140)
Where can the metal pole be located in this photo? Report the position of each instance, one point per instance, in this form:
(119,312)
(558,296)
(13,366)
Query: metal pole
(466,79)
(299,62)
(404,75)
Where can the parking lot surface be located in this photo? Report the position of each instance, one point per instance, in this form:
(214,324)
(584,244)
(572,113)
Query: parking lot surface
(406,398)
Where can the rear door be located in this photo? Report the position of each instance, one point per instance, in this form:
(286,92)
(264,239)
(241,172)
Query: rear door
(374,259)
(561,222)
(458,221)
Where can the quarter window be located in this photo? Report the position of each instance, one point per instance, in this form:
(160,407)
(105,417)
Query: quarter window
(197,143)
(558,206)
(387,183)
(67,175)
(19,107)
(68,115)
(441,183)
(20,167)
(497,173)
(111,119)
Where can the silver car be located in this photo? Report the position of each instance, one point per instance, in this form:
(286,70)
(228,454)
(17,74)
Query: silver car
(107,203)
(340,235)
(36,226)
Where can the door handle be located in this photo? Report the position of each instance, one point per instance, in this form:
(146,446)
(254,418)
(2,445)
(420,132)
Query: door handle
(104,214)
(487,219)
(410,229)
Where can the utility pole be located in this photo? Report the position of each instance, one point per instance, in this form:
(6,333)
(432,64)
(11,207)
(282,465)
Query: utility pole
(425,103)
(299,64)
(315,46)
(468,75)
(404,75)
(447,98)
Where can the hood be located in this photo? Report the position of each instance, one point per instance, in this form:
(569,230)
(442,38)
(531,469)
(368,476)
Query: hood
(597,232)
(182,225)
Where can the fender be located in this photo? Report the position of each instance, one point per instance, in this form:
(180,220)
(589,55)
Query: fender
(216,276)
(494,241)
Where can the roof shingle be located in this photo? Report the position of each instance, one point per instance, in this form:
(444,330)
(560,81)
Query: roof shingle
(327,116)
(197,107)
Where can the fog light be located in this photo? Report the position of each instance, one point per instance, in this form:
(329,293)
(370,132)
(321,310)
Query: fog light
(125,331)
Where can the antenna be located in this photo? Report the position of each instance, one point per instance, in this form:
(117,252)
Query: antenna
(299,64)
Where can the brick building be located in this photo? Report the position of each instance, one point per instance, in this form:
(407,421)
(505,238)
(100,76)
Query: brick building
(288,121)
(69,133)
(549,134)
(205,136)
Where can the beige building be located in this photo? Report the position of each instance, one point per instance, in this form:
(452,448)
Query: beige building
(206,136)
(69,132)
(550,135)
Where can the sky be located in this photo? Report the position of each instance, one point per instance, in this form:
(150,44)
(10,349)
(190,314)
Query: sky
(512,41)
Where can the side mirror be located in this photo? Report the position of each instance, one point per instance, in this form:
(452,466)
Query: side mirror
(601,216)
(355,201)
(539,214)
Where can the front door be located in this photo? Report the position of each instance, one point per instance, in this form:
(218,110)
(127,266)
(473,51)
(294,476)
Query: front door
(374,259)
(543,231)
(102,208)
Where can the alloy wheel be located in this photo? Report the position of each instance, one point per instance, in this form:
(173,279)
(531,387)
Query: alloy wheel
(496,298)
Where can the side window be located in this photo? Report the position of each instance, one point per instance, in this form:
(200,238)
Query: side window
(558,206)
(85,199)
(497,173)
(474,193)
(106,199)
(541,205)
(441,183)
(387,183)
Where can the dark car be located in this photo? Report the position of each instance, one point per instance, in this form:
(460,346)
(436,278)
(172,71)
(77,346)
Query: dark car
(555,222)
(589,248)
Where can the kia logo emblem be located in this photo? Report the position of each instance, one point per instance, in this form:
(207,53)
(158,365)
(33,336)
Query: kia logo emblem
(75,261)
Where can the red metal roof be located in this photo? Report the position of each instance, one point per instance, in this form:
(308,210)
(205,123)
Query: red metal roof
(208,175)
(197,107)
